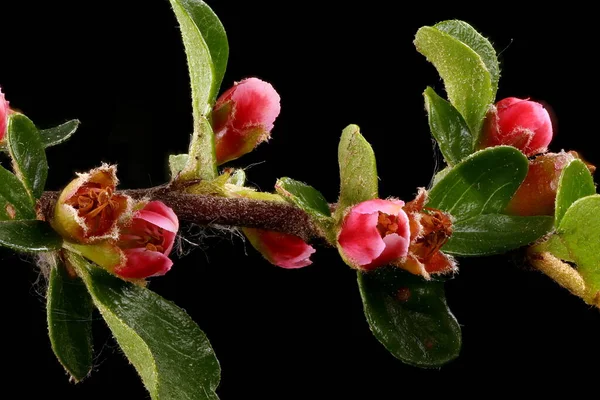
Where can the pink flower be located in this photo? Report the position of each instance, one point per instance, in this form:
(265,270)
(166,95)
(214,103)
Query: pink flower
(521,123)
(374,233)
(147,242)
(243,117)
(281,249)
(4,111)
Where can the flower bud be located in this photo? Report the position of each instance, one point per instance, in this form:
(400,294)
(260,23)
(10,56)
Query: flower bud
(243,118)
(521,123)
(4,111)
(281,249)
(147,241)
(374,233)
(537,193)
(88,209)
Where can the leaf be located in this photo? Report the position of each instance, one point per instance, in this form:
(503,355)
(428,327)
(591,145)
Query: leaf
(59,134)
(410,317)
(169,351)
(467,80)
(483,183)
(29,236)
(448,128)
(69,312)
(303,196)
(580,232)
(358,170)
(176,164)
(202,160)
(575,182)
(15,202)
(28,155)
(469,36)
(495,234)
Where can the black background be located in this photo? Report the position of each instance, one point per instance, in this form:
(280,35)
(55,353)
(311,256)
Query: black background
(119,67)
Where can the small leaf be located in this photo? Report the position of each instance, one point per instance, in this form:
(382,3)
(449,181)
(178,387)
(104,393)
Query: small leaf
(28,155)
(237,178)
(29,236)
(495,234)
(483,183)
(59,134)
(467,80)
(176,164)
(303,196)
(580,232)
(69,312)
(358,170)
(555,246)
(575,182)
(15,202)
(168,350)
(201,162)
(448,128)
(469,36)
(410,317)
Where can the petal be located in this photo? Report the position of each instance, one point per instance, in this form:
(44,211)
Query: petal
(255,103)
(142,263)
(281,249)
(391,207)
(440,263)
(359,239)
(157,213)
(396,247)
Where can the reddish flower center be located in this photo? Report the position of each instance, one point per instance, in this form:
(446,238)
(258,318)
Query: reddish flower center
(96,205)
(387,224)
(142,234)
(437,229)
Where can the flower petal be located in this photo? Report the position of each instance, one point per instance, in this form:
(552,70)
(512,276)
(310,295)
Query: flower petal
(359,238)
(143,263)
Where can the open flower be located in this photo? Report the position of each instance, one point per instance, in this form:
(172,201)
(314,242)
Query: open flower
(521,123)
(281,249)
(88,209)
(4,111)
(147,241)
(243,117)
(374,233)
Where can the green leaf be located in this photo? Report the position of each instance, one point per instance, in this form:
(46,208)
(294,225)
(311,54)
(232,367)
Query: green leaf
(469,36)
(303,196)
(556,247)
(237,178)
(168,350)
(410,317)
(177,163)
(15,202)
(202,160)
(69,312)
(448,128)
(27,151)
(575,182)
(467,80)
(495,234)
(483,183)
(358,170)
(580,232)
(29,236)
(59,134)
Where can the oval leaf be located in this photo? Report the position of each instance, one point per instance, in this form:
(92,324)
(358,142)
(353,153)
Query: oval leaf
(469,36)
(495,234)
(303,196)
(69,311)
(483,183)
(467,80)
(169,351)
(575,182)
(15,202)
(59,134)
(358,170)
(410,317)
(28,155)
(201,162)
(448,128)
(29,236)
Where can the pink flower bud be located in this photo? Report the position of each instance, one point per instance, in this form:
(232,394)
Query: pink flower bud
(147,241)
(281,249)
(243,118)
(374,233)
(88,209)
(521,123)
(4,111)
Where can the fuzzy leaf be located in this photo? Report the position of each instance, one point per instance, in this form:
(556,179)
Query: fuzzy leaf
(466,77)
(29,236)
(483,183)
(177,163)
(27,152)
(410,317)
(69,312)
(59,134)
(303,196)
(201,162)
(358,170)
(168,350)
(15,202)
(448,128)
(575,182)
(489,234)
